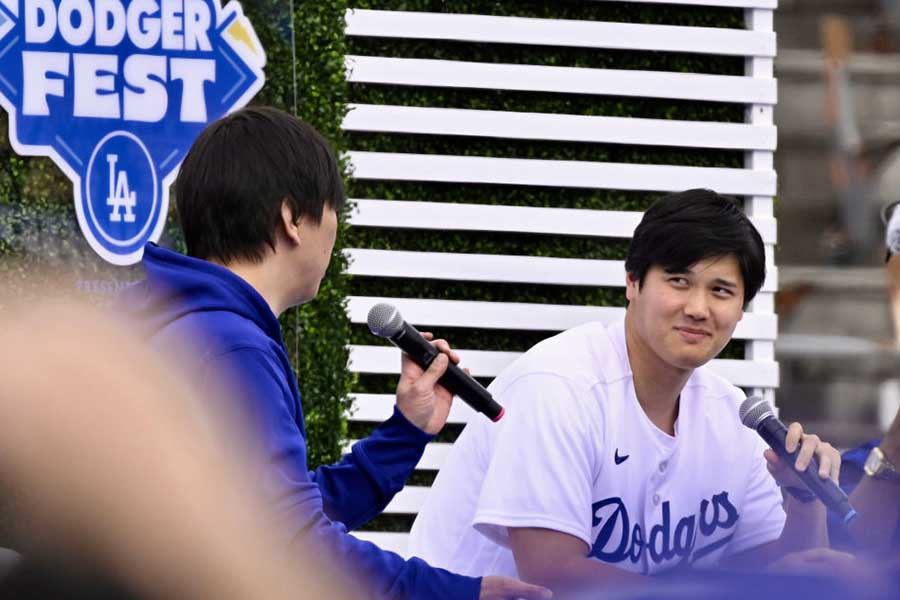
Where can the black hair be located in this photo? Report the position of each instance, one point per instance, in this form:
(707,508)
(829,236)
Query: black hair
(681,229)
(237,174)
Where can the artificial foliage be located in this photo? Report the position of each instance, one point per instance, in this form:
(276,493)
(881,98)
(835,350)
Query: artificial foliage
(305,75)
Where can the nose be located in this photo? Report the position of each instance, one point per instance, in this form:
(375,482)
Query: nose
(696,305)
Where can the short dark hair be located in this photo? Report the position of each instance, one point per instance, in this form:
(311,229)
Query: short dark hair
(681,229)
(237,174)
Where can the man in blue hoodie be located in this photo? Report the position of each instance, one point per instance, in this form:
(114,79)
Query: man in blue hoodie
(258,196)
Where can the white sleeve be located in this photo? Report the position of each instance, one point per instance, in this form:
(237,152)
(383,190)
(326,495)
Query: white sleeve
(762,515)
(542,470)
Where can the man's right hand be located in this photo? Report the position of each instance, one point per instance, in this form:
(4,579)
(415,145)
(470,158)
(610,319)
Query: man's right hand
(423,401)
(495,587)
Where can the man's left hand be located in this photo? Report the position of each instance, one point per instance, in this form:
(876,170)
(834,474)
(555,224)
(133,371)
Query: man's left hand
(421,399)
(810,446)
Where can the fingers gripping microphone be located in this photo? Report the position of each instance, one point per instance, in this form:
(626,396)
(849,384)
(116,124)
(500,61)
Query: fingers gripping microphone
(757,414)
(385,321)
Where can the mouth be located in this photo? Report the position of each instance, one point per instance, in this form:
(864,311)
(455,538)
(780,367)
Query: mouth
(692,334)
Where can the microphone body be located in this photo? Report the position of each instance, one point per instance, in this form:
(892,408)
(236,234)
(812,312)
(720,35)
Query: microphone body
(774,432)
(407,338)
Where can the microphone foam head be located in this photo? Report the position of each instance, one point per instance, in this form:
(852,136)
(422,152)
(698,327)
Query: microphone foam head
(754,410)
(385,320)
(892,235)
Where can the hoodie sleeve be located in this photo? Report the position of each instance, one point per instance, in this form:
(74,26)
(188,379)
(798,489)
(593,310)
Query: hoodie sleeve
(360,486)
(264,407)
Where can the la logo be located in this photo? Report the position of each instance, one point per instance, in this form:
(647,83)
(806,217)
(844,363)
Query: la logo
(120,196)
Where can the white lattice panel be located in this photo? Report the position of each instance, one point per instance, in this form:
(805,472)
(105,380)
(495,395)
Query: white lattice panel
(756,182)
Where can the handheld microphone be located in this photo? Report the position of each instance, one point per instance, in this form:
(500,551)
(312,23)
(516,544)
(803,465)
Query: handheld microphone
(892,233)
(757,414)
(385,321)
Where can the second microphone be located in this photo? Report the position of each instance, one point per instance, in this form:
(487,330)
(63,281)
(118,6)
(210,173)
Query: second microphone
(385,321)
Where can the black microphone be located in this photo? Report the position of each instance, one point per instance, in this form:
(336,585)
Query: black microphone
(757,414)
(385,321)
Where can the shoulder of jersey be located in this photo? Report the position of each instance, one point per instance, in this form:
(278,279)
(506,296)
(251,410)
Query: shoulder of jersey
(724,396)
(583,354)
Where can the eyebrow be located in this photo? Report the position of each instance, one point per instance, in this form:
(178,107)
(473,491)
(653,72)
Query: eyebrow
(718,280)
(725,283)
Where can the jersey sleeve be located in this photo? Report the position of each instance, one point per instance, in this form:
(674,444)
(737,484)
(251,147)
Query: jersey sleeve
(763,516)
(542,469)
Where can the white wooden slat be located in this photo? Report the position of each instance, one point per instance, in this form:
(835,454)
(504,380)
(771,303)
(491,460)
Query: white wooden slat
(407,501)
(569,80)
(726,3)
(379,360)
(484,363)
(486,267)
(518,219)
(559,127)
(380,407)
(496,268)
(483,217)
(760,206)
(395,542)
(558,173)
(558,32)
(432,459)
(525,316)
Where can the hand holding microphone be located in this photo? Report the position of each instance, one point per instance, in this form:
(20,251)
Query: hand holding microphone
(797,465)
(385,321)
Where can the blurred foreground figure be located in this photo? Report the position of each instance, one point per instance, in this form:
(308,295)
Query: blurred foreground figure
(818,574)
(120,474)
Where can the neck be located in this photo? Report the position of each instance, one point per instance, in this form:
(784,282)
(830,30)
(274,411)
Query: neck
(657,384)
(264,279)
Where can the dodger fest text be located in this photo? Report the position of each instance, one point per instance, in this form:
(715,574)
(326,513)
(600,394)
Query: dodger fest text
(134,90)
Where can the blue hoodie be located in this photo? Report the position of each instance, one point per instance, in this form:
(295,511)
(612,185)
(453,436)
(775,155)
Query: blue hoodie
(234,334)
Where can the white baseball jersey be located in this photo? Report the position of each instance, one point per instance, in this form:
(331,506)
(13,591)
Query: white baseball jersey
(576,453)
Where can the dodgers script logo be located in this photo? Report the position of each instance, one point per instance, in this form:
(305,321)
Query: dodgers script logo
(115,92)
(620,540)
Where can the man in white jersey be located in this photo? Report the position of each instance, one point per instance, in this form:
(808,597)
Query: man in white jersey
(620,453)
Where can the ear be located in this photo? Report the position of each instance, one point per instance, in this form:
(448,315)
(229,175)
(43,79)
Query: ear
(291,229)
(632,286)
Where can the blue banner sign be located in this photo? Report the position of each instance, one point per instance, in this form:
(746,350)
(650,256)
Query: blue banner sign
(115,92)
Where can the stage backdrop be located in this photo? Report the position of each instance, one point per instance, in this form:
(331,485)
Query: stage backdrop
(502,153)
(499,154)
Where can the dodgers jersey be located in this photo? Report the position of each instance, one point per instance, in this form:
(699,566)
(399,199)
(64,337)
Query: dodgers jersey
(576,453)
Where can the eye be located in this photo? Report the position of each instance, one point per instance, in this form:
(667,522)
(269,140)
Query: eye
(723,292)
(678,281)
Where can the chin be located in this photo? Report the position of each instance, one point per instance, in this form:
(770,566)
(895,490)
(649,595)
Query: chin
(690,360)
(303,299)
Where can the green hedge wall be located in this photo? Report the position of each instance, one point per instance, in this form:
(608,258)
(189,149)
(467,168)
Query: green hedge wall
(522,244)
(307,78)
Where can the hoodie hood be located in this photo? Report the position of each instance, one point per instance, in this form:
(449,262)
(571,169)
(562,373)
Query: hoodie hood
(176,285)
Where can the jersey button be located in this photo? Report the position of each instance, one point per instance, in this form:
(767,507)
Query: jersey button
(663,466)
(655,499)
